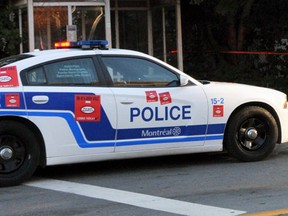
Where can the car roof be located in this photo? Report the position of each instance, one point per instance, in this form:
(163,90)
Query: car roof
(79,51)
(37,57)
(42,56)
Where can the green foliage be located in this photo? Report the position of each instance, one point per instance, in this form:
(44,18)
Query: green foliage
(9,34)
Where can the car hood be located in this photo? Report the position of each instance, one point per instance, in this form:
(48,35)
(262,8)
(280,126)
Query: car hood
(243,93)
(239,87)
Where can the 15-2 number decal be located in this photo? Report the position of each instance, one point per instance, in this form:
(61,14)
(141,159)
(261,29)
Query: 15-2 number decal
(217,100)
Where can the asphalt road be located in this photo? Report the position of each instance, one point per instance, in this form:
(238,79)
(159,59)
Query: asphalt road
(198,184)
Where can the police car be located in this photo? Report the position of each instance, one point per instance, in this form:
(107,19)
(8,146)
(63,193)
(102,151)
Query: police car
(88,103)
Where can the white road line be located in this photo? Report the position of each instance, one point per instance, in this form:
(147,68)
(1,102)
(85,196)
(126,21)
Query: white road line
(135,199)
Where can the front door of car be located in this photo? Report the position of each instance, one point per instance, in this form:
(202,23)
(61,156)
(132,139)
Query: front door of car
(153,110)
(65,100)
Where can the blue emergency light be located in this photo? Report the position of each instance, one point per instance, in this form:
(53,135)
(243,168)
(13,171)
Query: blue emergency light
(88,44)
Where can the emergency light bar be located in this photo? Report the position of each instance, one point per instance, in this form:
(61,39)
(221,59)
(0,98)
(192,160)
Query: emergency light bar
(65,44)
(89,44)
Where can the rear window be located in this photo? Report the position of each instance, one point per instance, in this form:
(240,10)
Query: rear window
(12,59)
(68,72)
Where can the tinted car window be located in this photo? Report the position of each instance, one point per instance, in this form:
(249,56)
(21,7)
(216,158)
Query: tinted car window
(64,73)
(135,72)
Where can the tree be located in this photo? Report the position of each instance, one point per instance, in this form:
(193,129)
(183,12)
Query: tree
(222,27)
(236,14)
(9,33)
(239,24)
(232,16)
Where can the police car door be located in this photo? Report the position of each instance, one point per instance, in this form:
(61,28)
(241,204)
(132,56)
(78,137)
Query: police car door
(153,111)
(74,113)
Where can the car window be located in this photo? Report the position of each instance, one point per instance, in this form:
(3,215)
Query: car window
(135,72)
(64,73)
(36,76)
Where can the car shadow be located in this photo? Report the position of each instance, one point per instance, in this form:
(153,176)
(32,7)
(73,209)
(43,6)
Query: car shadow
(139,164)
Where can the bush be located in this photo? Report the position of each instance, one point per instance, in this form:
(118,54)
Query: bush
(9,33)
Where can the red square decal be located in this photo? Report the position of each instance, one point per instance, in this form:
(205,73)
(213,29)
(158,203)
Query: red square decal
(151,96)
(218,111)
(165,98)
(8,77)
(12,100)
(87,107)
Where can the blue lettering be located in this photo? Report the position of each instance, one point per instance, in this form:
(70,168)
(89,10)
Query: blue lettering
(157,118)
(177,114)
(134,112)
(150,114)
(186,112)
(166,113)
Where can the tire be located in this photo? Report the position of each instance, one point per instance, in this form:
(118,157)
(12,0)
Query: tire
(19,153)
(251,134)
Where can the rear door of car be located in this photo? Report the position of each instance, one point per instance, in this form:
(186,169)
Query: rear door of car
(153,110)
(67,101)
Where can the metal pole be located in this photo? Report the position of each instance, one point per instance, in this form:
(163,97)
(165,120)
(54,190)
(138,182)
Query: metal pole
(31,25)
(179,36)
(108,23)
(20,30)
(69,15)
(164,35)
(49,40)
(150,30)
(117,34)
(83,24)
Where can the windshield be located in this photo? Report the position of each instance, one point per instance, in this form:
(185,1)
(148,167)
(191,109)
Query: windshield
(12,59)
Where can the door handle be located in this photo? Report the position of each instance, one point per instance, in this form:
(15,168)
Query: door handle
(126,102)
(40,99)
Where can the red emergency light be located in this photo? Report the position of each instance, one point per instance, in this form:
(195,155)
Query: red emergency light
(65,44)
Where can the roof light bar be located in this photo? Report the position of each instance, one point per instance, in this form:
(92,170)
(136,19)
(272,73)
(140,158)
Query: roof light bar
(88,44)
(66,44)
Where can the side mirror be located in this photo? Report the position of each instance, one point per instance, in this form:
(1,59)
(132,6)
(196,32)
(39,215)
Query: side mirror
(183,80)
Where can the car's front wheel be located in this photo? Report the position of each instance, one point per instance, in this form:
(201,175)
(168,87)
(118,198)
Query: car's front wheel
(19,153)
(251,134)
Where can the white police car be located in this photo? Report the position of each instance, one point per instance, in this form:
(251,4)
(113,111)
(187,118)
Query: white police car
(81,104)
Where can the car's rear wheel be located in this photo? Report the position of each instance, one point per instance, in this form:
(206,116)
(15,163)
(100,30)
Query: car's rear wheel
(19,153)
(251,134)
